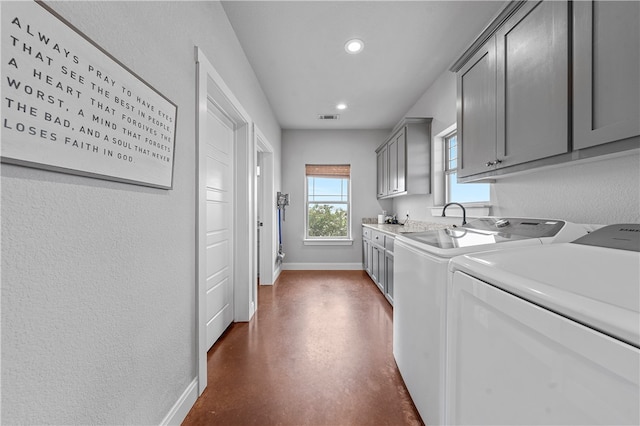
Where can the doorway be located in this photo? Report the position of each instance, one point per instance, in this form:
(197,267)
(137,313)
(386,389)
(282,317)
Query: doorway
(266,247)
(221,117)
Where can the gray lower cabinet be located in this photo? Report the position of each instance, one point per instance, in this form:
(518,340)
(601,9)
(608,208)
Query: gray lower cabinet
(606,71)
(377,258)
(388,272)
(377,266)
(366,249)
(366,255)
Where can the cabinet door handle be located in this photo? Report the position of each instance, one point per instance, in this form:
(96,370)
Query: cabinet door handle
(490,163)
(498,161)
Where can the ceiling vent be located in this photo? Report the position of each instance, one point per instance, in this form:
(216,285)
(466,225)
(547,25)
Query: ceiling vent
(328,116)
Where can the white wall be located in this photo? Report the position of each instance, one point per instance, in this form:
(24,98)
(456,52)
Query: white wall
(98,278)
(603,191)
(355,147)
(600,192)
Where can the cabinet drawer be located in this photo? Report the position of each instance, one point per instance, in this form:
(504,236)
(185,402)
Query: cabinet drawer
(377,238)
(366,233)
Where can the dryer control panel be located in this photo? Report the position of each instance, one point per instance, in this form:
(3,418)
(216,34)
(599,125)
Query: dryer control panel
(532,228)
(624,236)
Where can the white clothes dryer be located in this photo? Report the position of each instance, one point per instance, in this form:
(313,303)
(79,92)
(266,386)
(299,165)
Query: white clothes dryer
(547,334)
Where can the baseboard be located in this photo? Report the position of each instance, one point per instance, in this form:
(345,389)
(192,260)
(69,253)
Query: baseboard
(322,266)
(183,405)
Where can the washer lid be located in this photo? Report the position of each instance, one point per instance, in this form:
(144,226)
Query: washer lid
(452,242)
(598,287)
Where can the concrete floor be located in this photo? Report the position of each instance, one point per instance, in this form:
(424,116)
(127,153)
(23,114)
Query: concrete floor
(318,352)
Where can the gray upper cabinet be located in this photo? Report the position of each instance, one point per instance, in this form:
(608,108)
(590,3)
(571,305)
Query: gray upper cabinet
(549,82)
(513,93)
(606,71)
(404,160)
(397,162)
(533,83)
(382,172)
(477,110)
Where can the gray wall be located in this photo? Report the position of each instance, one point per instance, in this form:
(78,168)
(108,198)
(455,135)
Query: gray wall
(438,104)
(355,147)
(599,192)
(98,278)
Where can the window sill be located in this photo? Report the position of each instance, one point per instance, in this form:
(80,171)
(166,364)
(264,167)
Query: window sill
(473,210)
(328,242)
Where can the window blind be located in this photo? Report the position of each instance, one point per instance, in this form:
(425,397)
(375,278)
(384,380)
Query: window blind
(328,170)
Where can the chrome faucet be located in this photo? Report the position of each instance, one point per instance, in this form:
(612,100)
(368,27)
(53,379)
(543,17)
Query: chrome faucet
(464,212)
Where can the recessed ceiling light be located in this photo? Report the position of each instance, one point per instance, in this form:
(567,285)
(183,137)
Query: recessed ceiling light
(354,46)
(341,106)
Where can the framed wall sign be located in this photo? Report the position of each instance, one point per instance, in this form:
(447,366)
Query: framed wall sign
(69,106)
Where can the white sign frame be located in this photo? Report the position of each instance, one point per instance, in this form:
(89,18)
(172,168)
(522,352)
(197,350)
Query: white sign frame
(69,106)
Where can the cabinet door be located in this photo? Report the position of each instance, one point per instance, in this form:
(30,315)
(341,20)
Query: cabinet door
(397,162)
(377,266)
(370,260)
(401,163)
(392,165)
(606,72)
(382,168)
(533,83)
(379,261)
(388,271)
(366,255)
(476,83)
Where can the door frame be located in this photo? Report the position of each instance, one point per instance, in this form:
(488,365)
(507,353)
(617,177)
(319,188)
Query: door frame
(210,87)
(268,241)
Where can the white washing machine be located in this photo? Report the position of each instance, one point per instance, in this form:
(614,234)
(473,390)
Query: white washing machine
(420,281)
(547,334)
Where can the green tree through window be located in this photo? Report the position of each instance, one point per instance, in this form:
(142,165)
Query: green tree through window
(326,221)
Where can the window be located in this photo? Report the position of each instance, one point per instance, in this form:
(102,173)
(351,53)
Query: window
(460,192)
(328,201)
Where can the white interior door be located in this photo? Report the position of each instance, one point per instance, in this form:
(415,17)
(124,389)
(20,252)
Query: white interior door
(259,201)
(266,208)
(219,223)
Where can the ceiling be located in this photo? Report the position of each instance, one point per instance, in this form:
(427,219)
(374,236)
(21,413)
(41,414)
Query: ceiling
(296,49)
